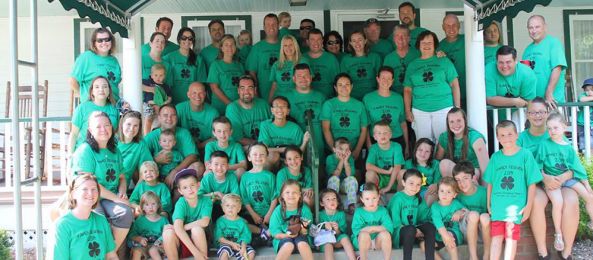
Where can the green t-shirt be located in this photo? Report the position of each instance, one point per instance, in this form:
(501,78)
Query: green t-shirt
(382,47)
(556,159)
(189,214)
(363,71)
(258,190)
(547,55)
(83,239)
(430,174)
(246,122)
(581,113)
(232,230)
(233,150)
(456,53)
(209,54)
(133,155)
(279,224)
(210,184)
(299,103)
(182,75)
(346,118)
(160,190)
(490,54)
(81,117)
(389,108)
(181,135)
(441,217)
(339,217)
(169,47)
(472,136)
(363,218)
(176,159)
(430,81)
(304,178)
(510,177)
(243,53)
(151,230)
(89,65)
(199,123)
(331,163)
(477,202)
(323,71)
(413,36)
(385,159)
(226,76)
(520,84)
(531,142)
(274,136)
(399,66)
(105,165)
(283,76)
(340,55)
(148,62)
(404,212)
(260,60)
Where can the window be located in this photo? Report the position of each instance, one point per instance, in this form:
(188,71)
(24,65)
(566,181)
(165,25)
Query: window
(579,45)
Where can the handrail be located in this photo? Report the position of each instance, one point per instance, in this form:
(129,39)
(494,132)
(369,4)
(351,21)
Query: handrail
(41,119)
(314,161)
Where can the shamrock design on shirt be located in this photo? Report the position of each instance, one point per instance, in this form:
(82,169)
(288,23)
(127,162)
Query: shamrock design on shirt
(258,196)
(402,76)
(317,76)
(110,175)
(387,117)
(272,60)
(427,76)
(235,81)
(344,121)
(94,249)
(254,133)
(185,73)
(195,132)
(286,76)
(508,182)
(310,111)
(229,237)
(361,72)
(561,166)
(110,76)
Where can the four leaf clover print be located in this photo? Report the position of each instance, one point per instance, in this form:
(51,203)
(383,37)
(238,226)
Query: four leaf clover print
(285,76)
(110,175)
(258,196)
(185,73)
(427,76)
(387,117)
(344,121)
(110,76)
(271,60)
(507,183)
(94,249)
(235,80)
(317,76)
(361,72)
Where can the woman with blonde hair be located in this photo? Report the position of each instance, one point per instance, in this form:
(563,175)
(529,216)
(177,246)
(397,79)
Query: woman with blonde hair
(282,71)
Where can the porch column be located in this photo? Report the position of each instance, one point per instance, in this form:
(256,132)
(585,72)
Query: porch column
(475,76)
(132,66)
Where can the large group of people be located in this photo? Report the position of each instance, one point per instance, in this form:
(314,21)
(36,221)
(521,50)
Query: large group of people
(217,156)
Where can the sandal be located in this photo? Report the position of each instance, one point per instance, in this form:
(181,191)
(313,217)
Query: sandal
(590,225)
(569,257)
(558,242)
(263,233)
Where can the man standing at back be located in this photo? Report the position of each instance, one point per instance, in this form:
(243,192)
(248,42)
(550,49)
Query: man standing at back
(407,16)
(546,57)
(164,25)
(263,55)
(372,30)
(453,45)
(210,53)
(324,65)
(304,28)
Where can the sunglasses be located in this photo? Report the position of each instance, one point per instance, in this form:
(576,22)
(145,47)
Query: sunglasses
(306,27)
(333,43)
(183,38)
(102,40)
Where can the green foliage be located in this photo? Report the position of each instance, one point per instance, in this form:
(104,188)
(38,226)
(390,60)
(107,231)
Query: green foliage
(584,232)
(5,245)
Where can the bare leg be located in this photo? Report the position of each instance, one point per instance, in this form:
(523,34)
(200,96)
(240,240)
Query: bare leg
(119,235)
(136,253)
(496,247)
(305,250)
(557,205)
(224,256)
(348,248)
(472,234)
(446,167)
(486,239)
(384,241)
(285,251)
(371,176)
(170,242)
(198,237)
(364,244)
(328,251)
(154,253)
(537,220)
(571,219)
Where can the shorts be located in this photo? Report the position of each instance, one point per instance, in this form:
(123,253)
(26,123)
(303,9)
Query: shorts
(463,227)
(151,241)
(498,228)
(295,241)
(384,181)
(118,214)
(233,253)
(570,183)
(440,244)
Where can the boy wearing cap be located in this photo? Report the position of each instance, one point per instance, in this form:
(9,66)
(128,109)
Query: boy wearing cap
(190,219)
(586,96)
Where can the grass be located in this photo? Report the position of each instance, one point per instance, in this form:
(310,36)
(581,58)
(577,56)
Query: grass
(584,232)
(5,245)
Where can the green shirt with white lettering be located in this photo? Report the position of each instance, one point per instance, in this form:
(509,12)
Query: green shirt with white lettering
(226,76)
(346,118)
(246,121)
(399,66)
(390,109)
(430,81)
(323,72)
(547,55)
(260,60)
(181,74)
(363,71)
(89,65)
(275,136)
(258,190)
(199,123)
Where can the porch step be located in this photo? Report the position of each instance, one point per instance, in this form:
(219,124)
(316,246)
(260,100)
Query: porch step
(48,195)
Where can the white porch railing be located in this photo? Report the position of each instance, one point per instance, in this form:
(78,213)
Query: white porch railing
(54,132)
(570,111)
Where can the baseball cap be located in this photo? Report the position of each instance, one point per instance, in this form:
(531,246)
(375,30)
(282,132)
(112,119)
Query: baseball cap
(371,21)
(184,173)
(587,82)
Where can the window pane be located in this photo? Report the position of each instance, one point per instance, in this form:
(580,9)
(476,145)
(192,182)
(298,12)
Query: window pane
(583,39)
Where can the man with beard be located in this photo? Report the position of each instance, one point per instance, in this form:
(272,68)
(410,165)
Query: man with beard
(196,115)
(324,65)
(407,16)
(247,112)
(210,53)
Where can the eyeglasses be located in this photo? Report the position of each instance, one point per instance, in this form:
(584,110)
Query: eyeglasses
(306,27)
(102,40)
(183,38)
(538,113)
(333,43)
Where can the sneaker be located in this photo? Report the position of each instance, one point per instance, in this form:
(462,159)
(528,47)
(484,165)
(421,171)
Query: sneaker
(263,233)
(569,257)
(558,242)
(539,257)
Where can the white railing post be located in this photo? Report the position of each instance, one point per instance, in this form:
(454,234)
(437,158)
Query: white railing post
(587,132)
(573,115)
(521,125)
(495,122)
(63,154)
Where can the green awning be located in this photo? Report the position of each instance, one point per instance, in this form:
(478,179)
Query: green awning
(488,11)
(115,14)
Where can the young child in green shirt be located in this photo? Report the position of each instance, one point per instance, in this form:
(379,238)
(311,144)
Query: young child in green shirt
(289,223)
(222,131)
(385,158)
(284,21)
(167,142)
(406,208)
(423,161)
(150,182)
(191,217)
(446,215)
(231,233)
(145,237)
(218,182)
(476,220)
(335,220)
(341,166)
(371,224)
(155,94)
(295,170)
(555,156)
(512,174)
